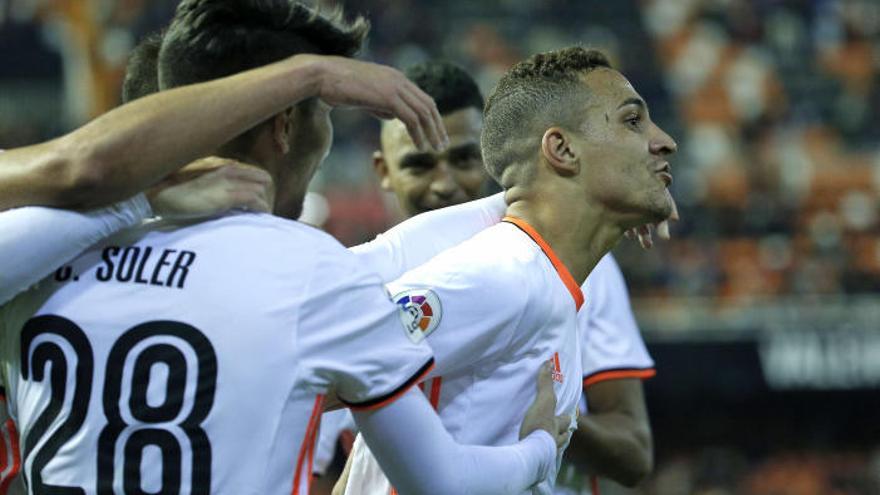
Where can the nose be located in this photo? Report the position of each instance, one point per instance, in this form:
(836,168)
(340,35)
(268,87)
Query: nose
(662,143)
(443,184)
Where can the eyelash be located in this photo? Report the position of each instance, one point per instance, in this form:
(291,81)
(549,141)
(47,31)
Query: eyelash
(634,121)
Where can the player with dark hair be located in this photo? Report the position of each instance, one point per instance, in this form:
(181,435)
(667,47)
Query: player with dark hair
(581,163)
(130,148)
(224,336)
(423,180)
(141,71)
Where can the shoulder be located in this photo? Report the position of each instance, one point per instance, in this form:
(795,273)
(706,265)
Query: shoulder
(492,264)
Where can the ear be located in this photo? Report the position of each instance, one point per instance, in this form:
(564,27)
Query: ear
(557,149)
(381,168)
(282,129)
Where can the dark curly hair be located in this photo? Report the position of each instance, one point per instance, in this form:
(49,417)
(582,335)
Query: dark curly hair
(533,95)
(142,71)
(451,87)
(209,39)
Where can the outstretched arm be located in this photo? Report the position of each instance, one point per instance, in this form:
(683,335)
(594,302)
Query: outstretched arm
(130,148)
(420,457)
(407,436)
(415,241)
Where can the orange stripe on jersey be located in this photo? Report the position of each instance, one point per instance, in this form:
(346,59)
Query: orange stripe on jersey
(16,457)
(573,287)
(306,449)
(436,384)
(384,400)
(617,375)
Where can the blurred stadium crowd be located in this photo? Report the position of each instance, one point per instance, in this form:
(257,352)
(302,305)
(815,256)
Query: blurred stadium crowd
(775,105)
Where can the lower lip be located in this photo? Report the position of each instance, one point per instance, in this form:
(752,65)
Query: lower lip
(666,177)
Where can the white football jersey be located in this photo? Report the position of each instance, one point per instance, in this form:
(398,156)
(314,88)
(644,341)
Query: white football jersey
(612,344)
(494,309)
(194,360)
(611,348)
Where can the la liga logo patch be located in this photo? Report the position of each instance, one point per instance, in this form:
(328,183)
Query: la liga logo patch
(420,312)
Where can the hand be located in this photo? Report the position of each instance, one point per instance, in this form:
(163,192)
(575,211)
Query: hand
(643,233)
(211,186)
(386,93)
(541,415)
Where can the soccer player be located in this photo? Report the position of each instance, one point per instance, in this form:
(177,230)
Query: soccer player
(196,359)
(616,436)
(581,162)
(128,149)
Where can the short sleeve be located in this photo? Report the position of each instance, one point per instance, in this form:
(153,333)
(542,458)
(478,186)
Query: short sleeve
(612,345)
(467,311)
(420,238)
(351,335)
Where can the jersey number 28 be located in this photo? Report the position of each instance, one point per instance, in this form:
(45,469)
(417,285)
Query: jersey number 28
(132,423)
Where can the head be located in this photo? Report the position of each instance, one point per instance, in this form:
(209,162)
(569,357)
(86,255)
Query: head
(210,39)
(566,122)
(426,180)
(141,72)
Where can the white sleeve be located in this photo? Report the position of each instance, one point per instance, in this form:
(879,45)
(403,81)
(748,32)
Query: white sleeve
(468,311)
(351,336)
(34,240)
(612,346)
(420,457)
(420,238)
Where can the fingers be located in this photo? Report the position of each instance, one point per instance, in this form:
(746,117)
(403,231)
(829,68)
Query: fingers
(545,380)
(427,118)
(437,130)
(250,197)
(645,239)
(411,120)
(563,430)
(663,230)
(674,215)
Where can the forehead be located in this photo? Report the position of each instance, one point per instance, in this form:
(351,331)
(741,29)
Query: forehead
(609,88)
(462,125)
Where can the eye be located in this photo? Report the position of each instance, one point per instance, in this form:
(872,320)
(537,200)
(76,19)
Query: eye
(417,163)
(634,121)
(466,157)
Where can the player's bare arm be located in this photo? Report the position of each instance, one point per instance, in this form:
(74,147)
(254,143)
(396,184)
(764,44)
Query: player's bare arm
(130,148)
(614,440)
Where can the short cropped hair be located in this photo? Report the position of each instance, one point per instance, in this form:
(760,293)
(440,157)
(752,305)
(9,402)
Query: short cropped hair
(142,71)
(451,87)
(210,39)
(543,91)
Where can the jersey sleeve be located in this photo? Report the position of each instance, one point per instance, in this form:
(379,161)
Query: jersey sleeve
(34,241)
(612,346)
(351,336)
(422,237)
(466,313)
(420,456)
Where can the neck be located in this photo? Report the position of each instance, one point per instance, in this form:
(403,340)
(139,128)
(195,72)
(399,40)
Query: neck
(580,237)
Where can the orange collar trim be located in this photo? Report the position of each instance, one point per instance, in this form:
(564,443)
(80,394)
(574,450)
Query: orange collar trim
(573,287)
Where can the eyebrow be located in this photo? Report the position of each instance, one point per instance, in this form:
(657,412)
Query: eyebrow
(633,101)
